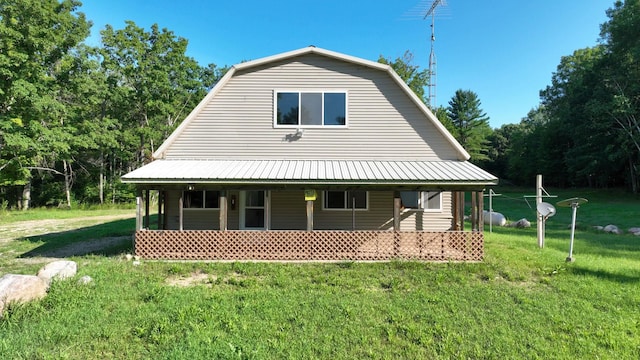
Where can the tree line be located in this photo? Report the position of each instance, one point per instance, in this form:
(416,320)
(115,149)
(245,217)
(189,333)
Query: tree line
(585,132)
(74,117)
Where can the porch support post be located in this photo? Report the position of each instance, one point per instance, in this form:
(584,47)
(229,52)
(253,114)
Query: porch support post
(474,211)
(180,211)
(223,210)
(397,202)
(164,214)
(477,199)
(456,214)
(461,209)
(147,218)
(160,218)
(309,215)
(139,210)
(462,197)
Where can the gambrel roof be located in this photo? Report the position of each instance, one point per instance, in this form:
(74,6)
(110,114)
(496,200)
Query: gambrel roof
(462,153)
(210,145)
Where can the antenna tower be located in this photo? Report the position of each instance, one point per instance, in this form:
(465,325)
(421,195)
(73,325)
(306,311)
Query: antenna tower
(432,55)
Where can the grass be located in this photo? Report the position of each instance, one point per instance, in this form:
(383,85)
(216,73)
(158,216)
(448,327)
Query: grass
(521,302)
(43,213)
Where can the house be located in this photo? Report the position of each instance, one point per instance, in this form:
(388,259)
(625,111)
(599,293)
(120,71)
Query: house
(310,155)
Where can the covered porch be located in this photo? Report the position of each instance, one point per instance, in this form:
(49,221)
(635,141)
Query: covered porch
(310,229)
(154,241)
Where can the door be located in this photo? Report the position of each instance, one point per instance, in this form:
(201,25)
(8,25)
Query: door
(254,210)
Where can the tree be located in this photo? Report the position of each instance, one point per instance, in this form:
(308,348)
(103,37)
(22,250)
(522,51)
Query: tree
(443,116)
(36,36)
(470,124)
(622,79)
(152,85)
(415,78)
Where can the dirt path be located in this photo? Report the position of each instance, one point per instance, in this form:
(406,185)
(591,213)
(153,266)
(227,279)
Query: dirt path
(12,231)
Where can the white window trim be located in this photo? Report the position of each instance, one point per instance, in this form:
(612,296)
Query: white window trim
(204,202)
(299,91)
(266,207)
(324,194)
(423,201)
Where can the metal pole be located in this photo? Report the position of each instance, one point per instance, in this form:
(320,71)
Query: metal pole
(540,220)
(574,206)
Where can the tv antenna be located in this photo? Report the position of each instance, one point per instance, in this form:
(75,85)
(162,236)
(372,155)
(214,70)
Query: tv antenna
(432,55)
(574,204)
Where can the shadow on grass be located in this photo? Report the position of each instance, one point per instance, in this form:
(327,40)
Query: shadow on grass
(108,239)
(600,244)
(605,275)
(585,241)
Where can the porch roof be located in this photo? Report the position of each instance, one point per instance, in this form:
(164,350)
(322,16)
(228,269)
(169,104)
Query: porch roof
(311,172)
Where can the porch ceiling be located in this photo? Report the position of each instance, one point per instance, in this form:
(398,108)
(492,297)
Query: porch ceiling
(446,173)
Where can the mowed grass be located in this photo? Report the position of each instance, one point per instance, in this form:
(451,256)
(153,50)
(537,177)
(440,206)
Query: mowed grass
(520,302)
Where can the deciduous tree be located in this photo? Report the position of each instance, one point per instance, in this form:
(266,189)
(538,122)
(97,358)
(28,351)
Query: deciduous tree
(35,38)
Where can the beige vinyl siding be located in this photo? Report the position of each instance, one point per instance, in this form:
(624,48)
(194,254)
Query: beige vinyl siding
(288,212)
(429,220)
(196,219)
(383,123)
(379,215)
(172,201)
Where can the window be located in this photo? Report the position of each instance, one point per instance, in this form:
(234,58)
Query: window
(309,109)
(425,200)
(344,200)
(201,199)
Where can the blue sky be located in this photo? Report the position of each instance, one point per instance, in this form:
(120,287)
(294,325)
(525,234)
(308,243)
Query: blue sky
(504,50)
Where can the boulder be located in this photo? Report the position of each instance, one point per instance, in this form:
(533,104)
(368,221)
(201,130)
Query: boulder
(21,288)
(635,230)
(61,269)
(496,218)
(612,229)
(522,223)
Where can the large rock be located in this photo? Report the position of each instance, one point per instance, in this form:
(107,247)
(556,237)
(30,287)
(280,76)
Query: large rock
(496,218)
(522,223)
(20,288)
(635,230)
(612,229)
(61,269)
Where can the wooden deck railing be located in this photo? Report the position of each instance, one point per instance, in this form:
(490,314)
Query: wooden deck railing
(311,246)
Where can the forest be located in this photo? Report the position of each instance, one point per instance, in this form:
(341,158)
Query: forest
(74,117)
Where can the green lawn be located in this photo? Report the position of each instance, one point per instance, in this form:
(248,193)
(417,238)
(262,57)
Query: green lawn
(521,302)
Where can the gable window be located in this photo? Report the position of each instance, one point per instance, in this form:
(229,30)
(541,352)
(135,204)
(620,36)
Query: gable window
(201,199)
(311,109)
(422,200)
(345,200)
